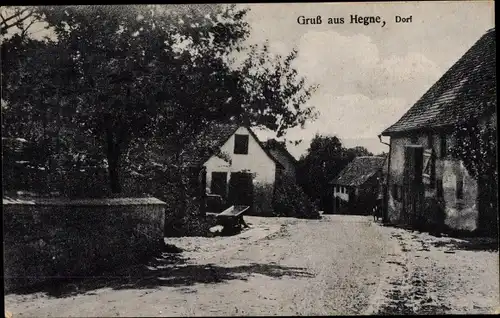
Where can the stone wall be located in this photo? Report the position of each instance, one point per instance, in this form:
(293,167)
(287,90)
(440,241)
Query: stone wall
(48,239)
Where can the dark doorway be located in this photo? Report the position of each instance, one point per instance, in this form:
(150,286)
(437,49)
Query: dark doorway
(327,204)
(219,183)
(241,189)
(413,187)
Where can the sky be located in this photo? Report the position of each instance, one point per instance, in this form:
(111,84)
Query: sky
(368,75)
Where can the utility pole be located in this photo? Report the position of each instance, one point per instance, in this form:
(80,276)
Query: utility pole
(386,186)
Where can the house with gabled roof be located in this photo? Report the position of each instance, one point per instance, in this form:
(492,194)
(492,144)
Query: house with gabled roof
(428,183)
(236,165)
(356,187)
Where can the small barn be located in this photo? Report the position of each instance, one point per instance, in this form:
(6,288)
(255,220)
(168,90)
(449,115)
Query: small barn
(356,188)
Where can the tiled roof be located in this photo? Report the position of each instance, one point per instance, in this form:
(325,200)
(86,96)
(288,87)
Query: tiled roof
(467,90)
(273,144)
(210,140)
(359,170)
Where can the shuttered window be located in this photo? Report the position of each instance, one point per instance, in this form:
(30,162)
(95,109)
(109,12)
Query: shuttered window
(396,192)
(443,146)
(429,169)
(430,141)
(241,144)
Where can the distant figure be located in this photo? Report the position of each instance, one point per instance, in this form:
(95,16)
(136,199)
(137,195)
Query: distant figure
(375,212)
(377,208)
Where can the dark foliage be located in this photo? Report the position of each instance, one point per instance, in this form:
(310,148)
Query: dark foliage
(291,201)
(476,147)
(325,159)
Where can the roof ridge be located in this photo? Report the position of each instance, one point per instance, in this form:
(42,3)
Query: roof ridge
(357,172)
(472,75)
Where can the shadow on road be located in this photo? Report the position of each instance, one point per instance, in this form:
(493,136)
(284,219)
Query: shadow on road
(469,244)
(455,240)
(169,269)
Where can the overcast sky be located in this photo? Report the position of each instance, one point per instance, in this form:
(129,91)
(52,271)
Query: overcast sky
(369,76)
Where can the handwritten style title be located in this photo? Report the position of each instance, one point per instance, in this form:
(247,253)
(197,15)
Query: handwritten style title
(353,19)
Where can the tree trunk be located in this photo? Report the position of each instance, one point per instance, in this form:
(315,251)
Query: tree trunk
(113,156)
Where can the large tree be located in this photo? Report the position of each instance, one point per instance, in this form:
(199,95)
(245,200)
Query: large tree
(118,78)
(20,18)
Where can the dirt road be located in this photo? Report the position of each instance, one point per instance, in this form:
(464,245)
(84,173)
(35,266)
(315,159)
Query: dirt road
(284,266)
(438,275)
(280,266)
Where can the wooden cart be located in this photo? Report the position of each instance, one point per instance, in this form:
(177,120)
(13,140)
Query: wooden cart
(231,219)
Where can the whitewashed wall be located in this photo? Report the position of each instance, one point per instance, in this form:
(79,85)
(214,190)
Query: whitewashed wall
(256,161)
(460,213)
(338,194)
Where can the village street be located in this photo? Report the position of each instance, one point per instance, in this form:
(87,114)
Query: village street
(286,266)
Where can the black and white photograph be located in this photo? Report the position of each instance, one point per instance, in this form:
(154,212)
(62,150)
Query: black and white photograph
(249,159)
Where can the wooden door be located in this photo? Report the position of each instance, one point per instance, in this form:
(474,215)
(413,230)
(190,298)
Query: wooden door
(413,189)
(241,189)
(219,183)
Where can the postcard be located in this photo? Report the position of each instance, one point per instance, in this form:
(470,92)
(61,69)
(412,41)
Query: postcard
(250,159)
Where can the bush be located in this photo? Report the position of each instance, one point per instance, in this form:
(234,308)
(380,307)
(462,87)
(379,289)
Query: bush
(192,224)
(291,201)
(262,200)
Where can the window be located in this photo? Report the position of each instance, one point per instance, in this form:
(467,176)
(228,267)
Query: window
(430,140)
(460,188)
(396,192)
(241,144)
(414,139)
(443,146)
(439,190)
